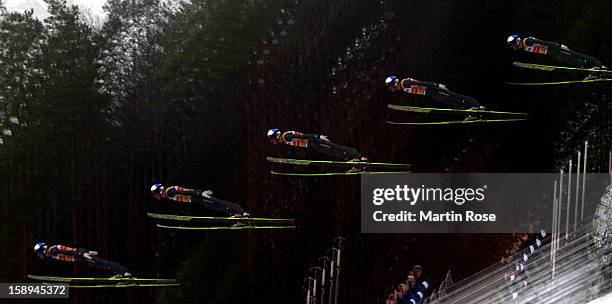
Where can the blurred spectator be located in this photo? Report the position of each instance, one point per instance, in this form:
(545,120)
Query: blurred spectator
(422,288)
(411,281)
(391,299)
(414,290)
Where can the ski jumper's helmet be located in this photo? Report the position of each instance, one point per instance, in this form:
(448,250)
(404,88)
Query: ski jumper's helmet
(391,81)
(514,41)
(274,134)
(157,190)
(40,249)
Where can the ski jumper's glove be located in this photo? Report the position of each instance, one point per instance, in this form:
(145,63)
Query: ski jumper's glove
(84,254)
(89,254)
(207,194)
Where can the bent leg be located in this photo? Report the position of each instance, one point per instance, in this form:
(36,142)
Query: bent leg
(219,205)
(335,150)
(100,263)
(454,100)
(574,59)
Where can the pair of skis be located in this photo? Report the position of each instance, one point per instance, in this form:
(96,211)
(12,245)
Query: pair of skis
(305,162)
(516,116)
(92,282)
(550,68)
(230,223)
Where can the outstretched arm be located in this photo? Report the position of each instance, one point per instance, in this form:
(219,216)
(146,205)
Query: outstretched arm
(530,41)
(409,82)
(63,253)
(181,194)
(62,250)
(296,135)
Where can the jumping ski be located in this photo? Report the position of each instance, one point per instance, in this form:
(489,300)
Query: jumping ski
(305,162)
(336,173)
(186,218)
(453,122)
(431,110)
(551,68)
(238,227)
(90,279)
(126,285)
(559,82)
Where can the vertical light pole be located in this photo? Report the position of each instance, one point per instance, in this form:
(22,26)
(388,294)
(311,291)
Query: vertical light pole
(569,200)
(324,261)
(577,191)
(554,228)
(308,289)
(560,202)
(339,246)
(584,163)
(317,272)
(332,274)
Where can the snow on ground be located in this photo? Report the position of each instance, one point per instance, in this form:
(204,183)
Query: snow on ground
(603,300)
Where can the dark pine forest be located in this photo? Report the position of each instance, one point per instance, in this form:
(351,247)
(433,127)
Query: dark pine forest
(92,114)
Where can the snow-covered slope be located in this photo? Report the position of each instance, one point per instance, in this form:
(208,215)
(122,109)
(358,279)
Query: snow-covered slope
(603,300)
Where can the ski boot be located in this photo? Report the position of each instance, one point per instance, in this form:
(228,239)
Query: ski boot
(358,169)
(241,223)
(593,77)
(475,116)
(238,215)
(125,275)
